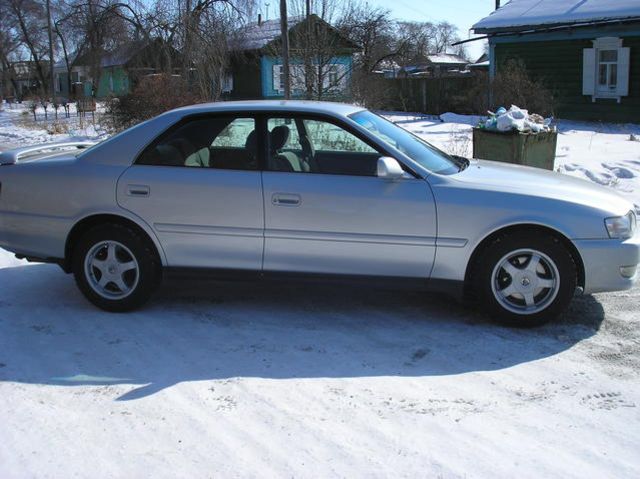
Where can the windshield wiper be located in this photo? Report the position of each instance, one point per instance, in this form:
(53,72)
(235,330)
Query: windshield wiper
(461,162)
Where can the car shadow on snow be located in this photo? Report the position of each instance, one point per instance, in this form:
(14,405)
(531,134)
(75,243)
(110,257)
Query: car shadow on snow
(195,331)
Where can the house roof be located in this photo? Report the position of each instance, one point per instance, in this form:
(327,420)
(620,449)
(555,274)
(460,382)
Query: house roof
(445,58)
(484,64)
(523,14)
(122,54)
(118,56)
(254,36)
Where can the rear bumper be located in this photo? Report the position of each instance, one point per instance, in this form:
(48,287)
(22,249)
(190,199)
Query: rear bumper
(603,260)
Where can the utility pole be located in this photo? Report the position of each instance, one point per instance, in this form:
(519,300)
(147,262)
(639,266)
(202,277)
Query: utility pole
(53,81)
(497,4)
(284,33)
(308,66)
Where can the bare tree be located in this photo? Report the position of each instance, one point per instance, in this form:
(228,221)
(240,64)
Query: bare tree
(373,29)
(27,18)
(416,40)
(9,46)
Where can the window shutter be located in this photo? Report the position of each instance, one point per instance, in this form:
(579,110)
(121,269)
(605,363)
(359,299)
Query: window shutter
(297,78)
(589,71)
(623,71)
(342,77)
(277,73)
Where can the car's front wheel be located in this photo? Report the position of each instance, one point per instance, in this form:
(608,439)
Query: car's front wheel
(525,279)
(115,267)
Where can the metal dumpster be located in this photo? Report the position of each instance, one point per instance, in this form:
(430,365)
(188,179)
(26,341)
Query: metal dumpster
(530,149)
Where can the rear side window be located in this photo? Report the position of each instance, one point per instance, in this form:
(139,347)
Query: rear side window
(227,143)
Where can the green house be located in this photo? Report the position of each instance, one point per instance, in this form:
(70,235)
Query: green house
(586,51)
(320,58)
(120,69)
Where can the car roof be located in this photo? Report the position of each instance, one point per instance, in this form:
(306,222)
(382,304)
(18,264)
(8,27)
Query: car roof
(301,106)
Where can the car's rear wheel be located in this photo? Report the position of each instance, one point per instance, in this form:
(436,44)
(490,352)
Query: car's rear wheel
(525,279)
(115,267)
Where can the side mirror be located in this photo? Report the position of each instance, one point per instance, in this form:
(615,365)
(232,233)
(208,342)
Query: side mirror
(389,168)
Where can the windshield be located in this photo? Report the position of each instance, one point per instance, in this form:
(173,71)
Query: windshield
(415,148)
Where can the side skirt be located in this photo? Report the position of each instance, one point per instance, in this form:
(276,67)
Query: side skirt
(449,287)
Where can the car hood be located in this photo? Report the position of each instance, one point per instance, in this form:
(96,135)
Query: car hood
(536,182)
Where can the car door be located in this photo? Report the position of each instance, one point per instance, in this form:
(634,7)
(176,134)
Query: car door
(327,212)
(199,187)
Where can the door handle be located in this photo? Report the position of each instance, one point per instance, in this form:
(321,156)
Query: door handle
(286,199)
(138,190)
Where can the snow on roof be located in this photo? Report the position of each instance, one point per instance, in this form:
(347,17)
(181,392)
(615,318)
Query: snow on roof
(121,54)
(526,13)
(446,58)
(116,57)
(255,36)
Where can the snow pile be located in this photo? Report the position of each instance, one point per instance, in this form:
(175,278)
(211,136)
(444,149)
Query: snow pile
(515,119)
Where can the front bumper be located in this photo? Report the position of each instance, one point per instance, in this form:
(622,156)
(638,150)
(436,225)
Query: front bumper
(603,260)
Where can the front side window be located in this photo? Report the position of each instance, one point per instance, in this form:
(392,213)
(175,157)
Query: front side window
(224,142)
(308,145)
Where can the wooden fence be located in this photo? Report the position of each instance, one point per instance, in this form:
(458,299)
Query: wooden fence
(433,95)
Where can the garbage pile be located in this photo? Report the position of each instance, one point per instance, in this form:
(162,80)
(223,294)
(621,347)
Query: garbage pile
(516,119)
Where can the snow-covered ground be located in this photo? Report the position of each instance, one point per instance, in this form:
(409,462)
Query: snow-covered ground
(17,127)
(254,380)
(290,380)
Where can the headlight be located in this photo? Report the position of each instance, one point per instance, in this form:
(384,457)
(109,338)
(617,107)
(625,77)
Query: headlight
(621,227)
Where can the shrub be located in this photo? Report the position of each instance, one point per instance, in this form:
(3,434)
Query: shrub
(153,95)
(475,99)
(57,127)
(513,85)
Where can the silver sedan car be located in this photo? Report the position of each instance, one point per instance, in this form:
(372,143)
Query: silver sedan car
(275,189)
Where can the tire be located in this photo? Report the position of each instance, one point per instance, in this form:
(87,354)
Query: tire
(115,267)
(525,279)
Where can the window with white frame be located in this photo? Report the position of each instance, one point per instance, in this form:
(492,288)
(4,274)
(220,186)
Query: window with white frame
(227,82)
(278,78)
(334,77)
(605,69)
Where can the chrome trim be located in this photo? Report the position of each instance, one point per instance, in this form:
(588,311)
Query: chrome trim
(350,237)
(451,242)
(207,230)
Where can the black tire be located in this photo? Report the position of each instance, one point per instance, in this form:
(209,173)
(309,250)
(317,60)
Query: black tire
(491,281)
(146,275)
